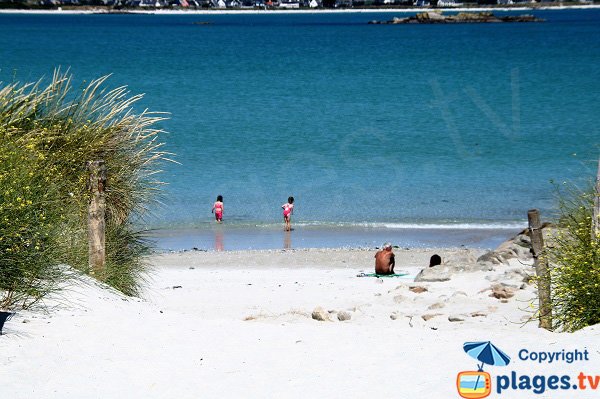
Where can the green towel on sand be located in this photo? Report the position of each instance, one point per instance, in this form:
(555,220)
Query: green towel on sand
(381,275)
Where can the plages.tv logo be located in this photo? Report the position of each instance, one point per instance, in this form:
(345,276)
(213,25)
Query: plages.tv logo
(478,384)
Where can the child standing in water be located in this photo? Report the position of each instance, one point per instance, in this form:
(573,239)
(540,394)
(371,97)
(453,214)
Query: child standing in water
(217,209)
(288,209)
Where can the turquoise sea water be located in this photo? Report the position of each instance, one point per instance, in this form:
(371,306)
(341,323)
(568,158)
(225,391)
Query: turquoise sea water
(385,130)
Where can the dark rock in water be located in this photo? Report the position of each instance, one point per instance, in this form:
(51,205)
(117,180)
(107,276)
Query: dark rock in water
(432,17)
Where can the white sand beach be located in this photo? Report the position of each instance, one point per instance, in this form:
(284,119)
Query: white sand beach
(239,325)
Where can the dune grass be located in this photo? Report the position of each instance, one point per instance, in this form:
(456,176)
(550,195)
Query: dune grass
(48,134)
(575,257)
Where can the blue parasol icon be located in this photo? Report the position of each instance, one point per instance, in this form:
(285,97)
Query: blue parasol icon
(486,353)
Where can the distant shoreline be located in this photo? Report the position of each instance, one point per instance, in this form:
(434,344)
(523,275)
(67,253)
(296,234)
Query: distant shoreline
(296,11)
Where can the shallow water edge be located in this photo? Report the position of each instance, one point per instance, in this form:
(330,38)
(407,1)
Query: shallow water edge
(225,238)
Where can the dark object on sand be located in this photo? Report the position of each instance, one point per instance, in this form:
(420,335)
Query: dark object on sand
(432,17)
(4,316)
(435,260)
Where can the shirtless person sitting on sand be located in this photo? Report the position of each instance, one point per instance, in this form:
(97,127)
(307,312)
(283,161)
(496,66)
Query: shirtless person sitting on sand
(384,260)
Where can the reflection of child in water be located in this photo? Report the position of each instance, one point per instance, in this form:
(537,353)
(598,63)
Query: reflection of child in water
(288,209)
(217,209)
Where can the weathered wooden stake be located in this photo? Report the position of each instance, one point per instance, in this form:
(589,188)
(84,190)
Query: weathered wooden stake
(541,269)
(96,217)
(596,212)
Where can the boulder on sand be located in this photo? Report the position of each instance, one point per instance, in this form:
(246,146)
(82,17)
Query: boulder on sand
(320,314)
(434,274)
(502,291)
(343,315)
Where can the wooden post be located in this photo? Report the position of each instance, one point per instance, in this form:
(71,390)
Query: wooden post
(541,269)
(596,211)
(96,217)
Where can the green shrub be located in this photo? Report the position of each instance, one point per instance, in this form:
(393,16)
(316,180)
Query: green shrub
(575,260)
(29,217)
(49,133)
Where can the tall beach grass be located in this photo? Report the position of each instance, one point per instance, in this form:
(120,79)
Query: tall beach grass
(575,259)
(49,132)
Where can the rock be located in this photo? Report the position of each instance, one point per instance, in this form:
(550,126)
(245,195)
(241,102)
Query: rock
(394,316)
(437,305)
(479,314)
(343,316)
(434,17)
(399,298)
(428,317)
(418,289)
(460,259)
(459,293)
(457,264)
(513,274)
(320,314)
(501,291)
(434,274)
(518,247)
(490,257)
(455,318)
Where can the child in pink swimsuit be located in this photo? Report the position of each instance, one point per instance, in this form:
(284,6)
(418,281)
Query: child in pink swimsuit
(288,209)
(217,209)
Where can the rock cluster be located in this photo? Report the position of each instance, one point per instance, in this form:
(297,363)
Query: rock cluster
(321,314)
(518,247)
(432,17)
